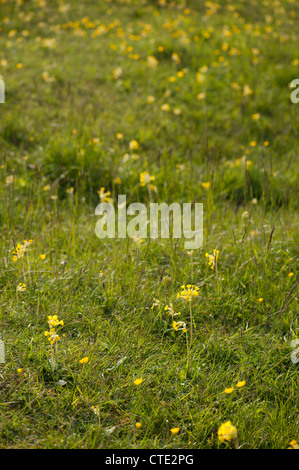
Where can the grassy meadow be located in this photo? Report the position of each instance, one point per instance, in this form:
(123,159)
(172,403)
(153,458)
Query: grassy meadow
(162,101)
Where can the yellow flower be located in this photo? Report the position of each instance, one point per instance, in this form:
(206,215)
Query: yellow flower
(188,293)
(20,371)
(152,61)
(150,99)
(134,145)
(206,185)
(145,178)
(138,425)
(119,136)
(104,196)
(138,381)
(84,360)
(213,258)
(229,390)
(165,107)
(252,143)
(227,432)
(290,274)
(20,249)
(19,66)
(261,299)
(256,116)
(117,73)
(241,383)
(201,96)
(42,257)
(179,326)
(176,58)
(247,91)
(174,430)
(266,143)
(21,287)
(294,444)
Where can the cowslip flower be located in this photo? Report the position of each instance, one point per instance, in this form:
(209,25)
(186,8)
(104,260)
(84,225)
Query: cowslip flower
(21,287)
(156,303)
(104,196)
(188,292)
(52,336)
(227,432)
(145,178)
(212,259)
(138,425)
(169,309)
(20,249)
(53,321)
(179,326)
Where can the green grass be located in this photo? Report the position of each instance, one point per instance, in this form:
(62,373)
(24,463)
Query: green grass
(49,128)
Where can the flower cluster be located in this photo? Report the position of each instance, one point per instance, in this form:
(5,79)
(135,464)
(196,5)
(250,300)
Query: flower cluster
(20,249)
(227,432)
(145,178)
(213,258)
(188,293)
(169,309)
(179,326)
(104,196)
(21,287)
(156,303)
(52,335)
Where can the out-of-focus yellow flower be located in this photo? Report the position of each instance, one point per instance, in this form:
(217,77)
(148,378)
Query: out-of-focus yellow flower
(247,90)
(229,390)
(42,257)
(145,178)
(138,425)
(241,383)
(133,145)
(138,381)
(227,432)
(84,360)
(117,73)
(174,430)
(256,116)
(293,444)
(206,185)
(152,61)
(150,99)
(21,287)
